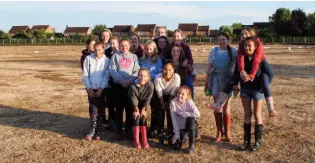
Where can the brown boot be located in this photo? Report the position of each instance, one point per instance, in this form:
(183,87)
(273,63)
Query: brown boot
(227,125)
(218,122)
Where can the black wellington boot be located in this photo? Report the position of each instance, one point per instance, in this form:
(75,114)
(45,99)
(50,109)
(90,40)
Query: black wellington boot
(247,131)
(91,133)
(258,133)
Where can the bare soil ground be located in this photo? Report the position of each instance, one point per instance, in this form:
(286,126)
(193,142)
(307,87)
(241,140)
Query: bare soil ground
(44,112)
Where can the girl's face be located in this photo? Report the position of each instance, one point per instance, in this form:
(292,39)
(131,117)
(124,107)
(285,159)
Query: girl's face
(175,53)
(182,95)
(115,44)
(161,32)
(249,47)
(143,77)
(244,34)
(168,71)
(105,37)
(99,50)
(134,41)
(125,47)
(149,49)
(90,46)
(223,42)
(177,37)
(162,43)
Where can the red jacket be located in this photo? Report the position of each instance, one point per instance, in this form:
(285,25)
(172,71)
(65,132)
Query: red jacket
(257,58)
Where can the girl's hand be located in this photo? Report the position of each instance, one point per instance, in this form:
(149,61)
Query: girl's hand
(184,64)
(244,76)
(136,114)
(99,92)
(91,92)
(143,113)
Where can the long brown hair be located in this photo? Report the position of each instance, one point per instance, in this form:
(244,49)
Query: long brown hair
(182,56)
(228,45)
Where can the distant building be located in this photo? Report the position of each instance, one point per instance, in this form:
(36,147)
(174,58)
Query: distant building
(123,30)
(69,31)
(20,28)
(189,29)
(261,25)
(146,30)
(214,33)
(203,31)
(47,28)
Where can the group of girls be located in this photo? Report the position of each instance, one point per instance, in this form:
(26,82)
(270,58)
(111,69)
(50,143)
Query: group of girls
(123,75)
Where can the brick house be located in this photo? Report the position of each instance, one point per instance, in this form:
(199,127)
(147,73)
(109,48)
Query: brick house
(47,28)
(123,30)
(84,31)
(189,29)
(214,33)
(146,30)
(15,29)
(203,31)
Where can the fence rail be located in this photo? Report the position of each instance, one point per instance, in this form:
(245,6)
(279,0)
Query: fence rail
(189,40)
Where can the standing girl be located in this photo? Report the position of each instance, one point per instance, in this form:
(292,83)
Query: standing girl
(123,68)
(164,48)
(86,52)
(184,117)
(140,95)
(166,85)
(221,66)
(95,78)
(152,61)
(135,45)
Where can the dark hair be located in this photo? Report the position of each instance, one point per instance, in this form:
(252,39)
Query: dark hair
(254,39)
(182,55)
(134,34)
(168,62)
(88,41)
(228,45)
(164,37)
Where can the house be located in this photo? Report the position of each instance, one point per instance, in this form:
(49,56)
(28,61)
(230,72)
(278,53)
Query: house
(47,28)
(214,33)
(260,25)
(189,29)
(123,30)
(203,31)
(146,30)
(15,29)
(84,31)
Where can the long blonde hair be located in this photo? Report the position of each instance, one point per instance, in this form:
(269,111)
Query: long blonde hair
(155,56)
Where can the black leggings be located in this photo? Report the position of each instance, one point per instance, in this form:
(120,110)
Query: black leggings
(110,104)
(168,116)
(140,121)
(191,127)
(154,111)
(97,105)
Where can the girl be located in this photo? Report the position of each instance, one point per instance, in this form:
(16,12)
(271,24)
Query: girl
(250,91)
(221,65)
(95,78)
(166,85)
(106,36)
(178,37)
(259,56)
(184,117)
(123,68)
(164,48)
(140,95)
(153,63)
(135,45)
(86,52)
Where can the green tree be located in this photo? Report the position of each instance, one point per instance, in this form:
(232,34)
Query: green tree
(237,26)
(299,22)
(77,36)
(266,33)
(4,35)
(22,35)
(311,24)
(226,29)
(281,20)
(98,29)
(50,35)
(39,34)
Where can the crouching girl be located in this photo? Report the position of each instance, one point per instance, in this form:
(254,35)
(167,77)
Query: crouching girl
(184,115)
(140,95)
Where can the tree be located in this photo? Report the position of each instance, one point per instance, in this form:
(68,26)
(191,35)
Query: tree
(77,36)
(98,29)
(281,21)
(226,29)
(39,34)
(4,35)
(22,35)
(299,22)
(50,35)
(311,24)
(266,33)
(237,26)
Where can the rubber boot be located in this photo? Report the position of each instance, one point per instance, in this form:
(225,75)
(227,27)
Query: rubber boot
(144,140)
(258,133)
(227,126)
(91,133)
(184,136)
(218,122)
(271,110)
(99,127)
(221,100)
(247,136)
(192,141)
(136,134)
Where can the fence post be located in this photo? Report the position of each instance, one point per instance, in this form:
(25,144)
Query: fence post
(2,42)
(305,40)
(48,42)
(210,40)
(64,40)
(282,40)
(190,40)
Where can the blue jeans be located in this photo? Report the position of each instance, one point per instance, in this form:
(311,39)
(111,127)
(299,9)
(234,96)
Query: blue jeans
(255,95)
(190,83)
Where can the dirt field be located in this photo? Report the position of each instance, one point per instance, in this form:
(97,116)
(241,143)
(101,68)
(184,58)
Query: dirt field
(44,112)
